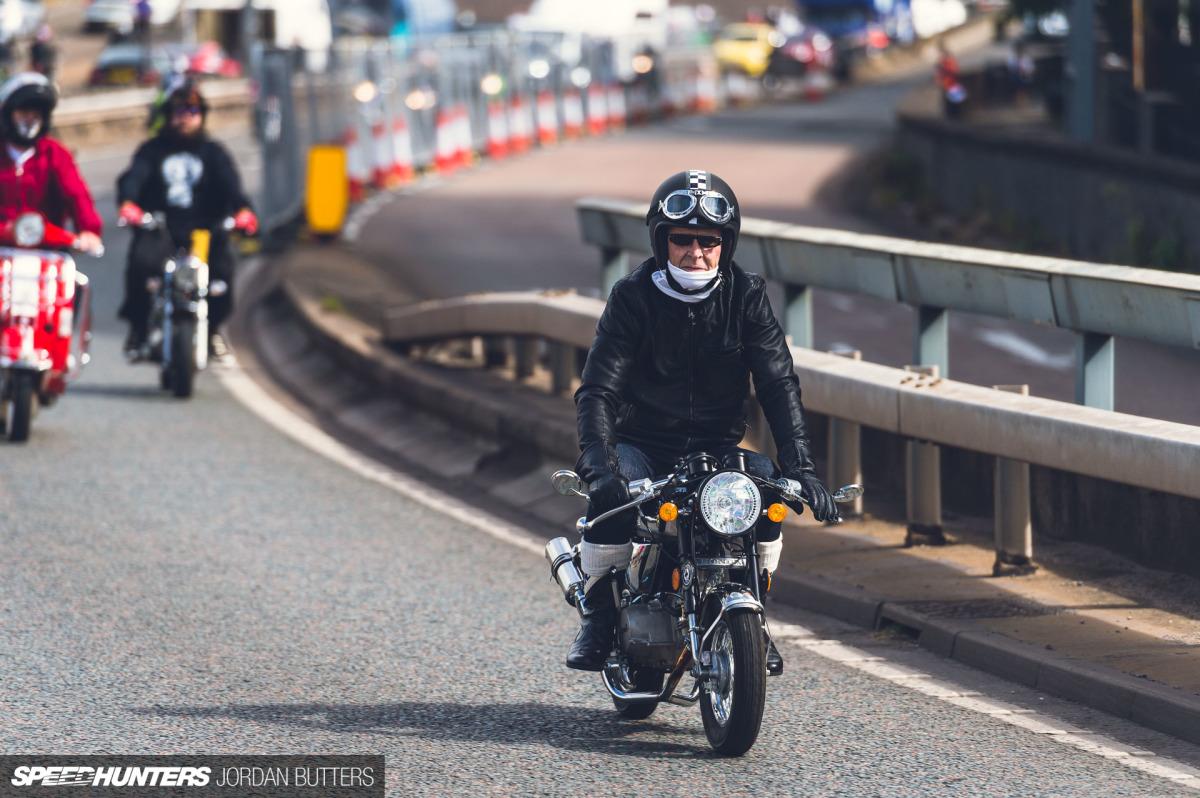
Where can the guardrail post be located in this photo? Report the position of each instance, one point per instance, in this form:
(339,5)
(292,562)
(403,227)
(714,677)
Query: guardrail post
(845,452)
(495,352)
(1014,529)
(614,264)
(1095,370)
(798,315)
(923,485)
(563,366)
(526,356)
(931,339)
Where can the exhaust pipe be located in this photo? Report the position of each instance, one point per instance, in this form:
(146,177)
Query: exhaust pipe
(561,556)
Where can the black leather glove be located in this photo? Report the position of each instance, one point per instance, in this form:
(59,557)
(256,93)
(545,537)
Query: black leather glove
(608,492)
(824,508)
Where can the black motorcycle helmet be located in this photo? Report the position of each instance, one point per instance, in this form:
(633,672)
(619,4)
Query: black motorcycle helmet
(694,198)
(181,91)
(26,90)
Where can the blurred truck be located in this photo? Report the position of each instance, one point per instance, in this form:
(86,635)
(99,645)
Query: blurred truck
(860,27)
(636,28)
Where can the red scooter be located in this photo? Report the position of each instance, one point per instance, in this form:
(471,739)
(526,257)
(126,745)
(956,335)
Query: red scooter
(45,319)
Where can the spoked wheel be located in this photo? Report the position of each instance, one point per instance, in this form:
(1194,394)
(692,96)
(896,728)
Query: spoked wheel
(641,681)
(732,705)
(20,407)
(183,357)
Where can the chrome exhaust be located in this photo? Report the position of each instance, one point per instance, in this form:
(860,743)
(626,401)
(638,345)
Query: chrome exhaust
(561,556)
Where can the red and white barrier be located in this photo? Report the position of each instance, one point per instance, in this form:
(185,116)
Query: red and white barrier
(403,170)
(356,164)
(707,98)
(547,117)
(497,146)
(639,105)
(597,113)
(573,114)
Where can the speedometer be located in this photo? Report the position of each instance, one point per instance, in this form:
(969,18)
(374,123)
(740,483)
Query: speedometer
(730,503)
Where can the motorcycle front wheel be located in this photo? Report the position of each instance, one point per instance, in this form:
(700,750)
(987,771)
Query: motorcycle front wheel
(20,407)
(732,705)
(183,357)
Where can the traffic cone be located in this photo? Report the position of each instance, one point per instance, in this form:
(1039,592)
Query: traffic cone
(616,106)
(497,146)
(597,114)
(572,114)
(639,105)
(707,100)
(465,150)
(445,157)
(381,154)
(547,118)
(403,170)
(356,167)
(520,136)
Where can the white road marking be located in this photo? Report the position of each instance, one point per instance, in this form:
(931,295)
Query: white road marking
(250,394)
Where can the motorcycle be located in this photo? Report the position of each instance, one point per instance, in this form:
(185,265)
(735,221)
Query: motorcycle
(177,329)
(690,603)
(45,319)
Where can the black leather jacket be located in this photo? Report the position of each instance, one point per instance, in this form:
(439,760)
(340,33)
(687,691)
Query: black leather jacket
(671,377)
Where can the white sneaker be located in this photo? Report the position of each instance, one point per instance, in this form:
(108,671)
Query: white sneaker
(218,350)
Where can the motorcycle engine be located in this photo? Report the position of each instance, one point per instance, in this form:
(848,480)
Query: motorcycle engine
(649,635)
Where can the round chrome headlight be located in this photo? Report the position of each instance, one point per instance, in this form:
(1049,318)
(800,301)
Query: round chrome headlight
(730,503)
(30,230)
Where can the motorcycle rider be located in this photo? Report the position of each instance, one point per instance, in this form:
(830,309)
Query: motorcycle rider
(37,173)
(669,373)
(194,181)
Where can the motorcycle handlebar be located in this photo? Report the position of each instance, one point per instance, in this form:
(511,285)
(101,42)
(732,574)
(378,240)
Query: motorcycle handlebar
(644,490)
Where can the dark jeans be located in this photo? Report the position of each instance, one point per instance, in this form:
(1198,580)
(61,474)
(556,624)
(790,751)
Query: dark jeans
(147,255)
(636,464)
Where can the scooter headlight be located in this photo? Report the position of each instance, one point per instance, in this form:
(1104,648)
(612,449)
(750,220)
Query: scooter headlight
(730,503)
(29,230)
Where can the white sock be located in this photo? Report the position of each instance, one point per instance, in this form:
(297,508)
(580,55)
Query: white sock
(768,554)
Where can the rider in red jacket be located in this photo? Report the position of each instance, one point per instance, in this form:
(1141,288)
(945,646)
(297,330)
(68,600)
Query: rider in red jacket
(36,172)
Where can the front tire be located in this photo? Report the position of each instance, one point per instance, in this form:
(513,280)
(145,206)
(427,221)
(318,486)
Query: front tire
(183,357)
(732,708)
(20,408)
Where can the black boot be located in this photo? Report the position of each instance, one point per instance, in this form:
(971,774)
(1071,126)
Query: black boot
(592,645)
(774,661)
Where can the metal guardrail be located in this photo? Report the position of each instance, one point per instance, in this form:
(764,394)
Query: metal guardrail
(1016,428)
(1097,301)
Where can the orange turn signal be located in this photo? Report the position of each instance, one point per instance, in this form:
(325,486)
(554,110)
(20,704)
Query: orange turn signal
(777,512)
(675,579)
(668,511)
(768,589)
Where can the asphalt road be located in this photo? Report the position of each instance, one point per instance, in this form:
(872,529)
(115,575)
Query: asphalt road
(216,576)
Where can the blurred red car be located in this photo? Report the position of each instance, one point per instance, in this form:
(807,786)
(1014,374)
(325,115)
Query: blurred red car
(810,51)
(206,58)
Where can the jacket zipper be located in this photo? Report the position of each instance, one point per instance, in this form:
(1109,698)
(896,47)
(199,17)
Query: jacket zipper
(691,352)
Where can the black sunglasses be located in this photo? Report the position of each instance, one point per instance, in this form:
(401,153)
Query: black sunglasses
(686,239)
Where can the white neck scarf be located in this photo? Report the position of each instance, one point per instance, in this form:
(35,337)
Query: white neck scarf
(689,280)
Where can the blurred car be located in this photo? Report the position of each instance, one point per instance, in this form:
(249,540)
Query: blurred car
(810,51)
(358,20)
(130,65)
(746,47)
(120,14)
(205,58)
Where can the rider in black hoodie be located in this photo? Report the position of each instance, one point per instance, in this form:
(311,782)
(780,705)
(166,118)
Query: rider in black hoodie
(193,180)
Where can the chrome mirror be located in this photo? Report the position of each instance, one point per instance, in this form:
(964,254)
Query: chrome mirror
(848,493)
(567,483)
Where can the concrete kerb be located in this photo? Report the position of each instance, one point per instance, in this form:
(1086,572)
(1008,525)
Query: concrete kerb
(359,348)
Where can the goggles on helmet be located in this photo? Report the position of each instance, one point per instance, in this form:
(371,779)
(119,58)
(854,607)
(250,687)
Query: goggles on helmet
(680,204)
